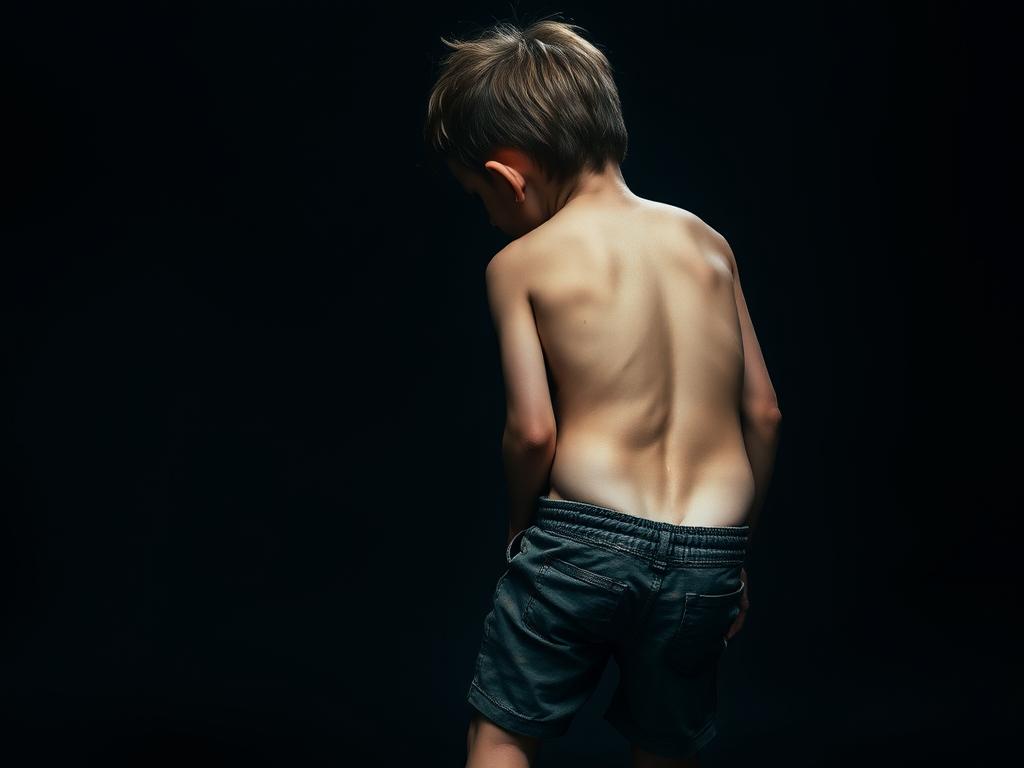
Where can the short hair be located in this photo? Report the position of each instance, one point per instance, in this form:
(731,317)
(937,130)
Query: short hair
(541,88)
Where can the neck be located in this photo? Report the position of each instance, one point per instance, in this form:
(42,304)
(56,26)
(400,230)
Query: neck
(605,185)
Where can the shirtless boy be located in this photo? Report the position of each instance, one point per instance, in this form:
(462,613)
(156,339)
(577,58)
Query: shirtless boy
(641,421)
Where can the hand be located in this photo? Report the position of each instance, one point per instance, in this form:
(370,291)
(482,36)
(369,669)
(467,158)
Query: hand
(744,605)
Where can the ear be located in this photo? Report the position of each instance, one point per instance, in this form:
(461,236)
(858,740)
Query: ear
(511,176)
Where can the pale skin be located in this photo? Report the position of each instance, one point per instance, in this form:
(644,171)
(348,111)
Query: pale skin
(634,379)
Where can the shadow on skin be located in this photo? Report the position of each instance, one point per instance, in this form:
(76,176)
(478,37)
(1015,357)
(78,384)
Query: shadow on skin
(488,745)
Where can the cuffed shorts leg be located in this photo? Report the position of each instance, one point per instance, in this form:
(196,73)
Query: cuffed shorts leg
(544,645)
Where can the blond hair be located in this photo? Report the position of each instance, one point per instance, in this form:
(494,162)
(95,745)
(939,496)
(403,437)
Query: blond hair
(541,88)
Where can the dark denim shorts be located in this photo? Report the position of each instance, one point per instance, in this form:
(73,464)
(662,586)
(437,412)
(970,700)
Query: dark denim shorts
(587,582)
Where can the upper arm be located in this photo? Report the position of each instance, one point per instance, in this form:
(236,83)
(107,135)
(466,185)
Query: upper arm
(529,410)
(758,393)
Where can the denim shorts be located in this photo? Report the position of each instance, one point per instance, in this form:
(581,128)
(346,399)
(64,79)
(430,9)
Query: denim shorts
(586,582)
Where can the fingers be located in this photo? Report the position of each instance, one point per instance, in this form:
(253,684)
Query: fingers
(744,606)
(736,625)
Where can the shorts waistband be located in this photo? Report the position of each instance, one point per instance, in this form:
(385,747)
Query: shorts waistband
(654,539)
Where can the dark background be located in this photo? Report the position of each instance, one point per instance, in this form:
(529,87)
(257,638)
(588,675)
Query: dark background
(255,506)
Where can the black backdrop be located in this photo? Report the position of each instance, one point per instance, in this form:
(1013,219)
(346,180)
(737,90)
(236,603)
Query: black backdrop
(255,507)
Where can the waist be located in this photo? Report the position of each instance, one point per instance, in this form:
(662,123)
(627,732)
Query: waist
(652,539)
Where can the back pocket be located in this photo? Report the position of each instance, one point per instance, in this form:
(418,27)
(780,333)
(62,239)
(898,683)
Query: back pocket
(572,604)
(699,638)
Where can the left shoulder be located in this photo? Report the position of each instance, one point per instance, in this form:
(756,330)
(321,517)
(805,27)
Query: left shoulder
(528,257)
(505,277)
(500,262)
(510,266)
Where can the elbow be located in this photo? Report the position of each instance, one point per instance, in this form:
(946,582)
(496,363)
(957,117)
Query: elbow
(532,437)
(765,413)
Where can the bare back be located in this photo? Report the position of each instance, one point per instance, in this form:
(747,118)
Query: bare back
(636,315)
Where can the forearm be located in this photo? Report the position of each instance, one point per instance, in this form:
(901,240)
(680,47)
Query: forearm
(760,435)
(527,475)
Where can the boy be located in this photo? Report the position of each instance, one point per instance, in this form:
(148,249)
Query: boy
(641,421)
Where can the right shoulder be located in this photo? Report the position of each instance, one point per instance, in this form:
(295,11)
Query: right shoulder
(709,237)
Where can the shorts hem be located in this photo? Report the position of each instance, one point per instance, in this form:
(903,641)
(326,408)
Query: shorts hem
(510,721)
(660,746)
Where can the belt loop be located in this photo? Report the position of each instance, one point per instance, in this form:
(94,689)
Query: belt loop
(664,540)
